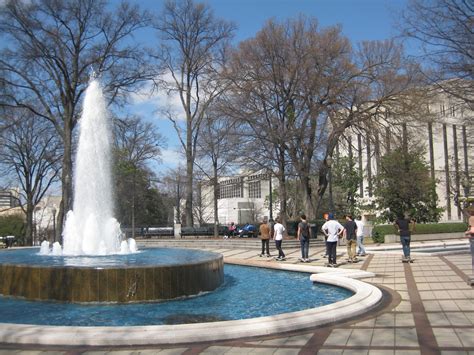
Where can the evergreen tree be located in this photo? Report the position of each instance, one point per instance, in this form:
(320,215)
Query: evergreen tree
(403,185)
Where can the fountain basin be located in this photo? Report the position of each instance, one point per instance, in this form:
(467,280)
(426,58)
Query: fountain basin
(365,298)
(151,275)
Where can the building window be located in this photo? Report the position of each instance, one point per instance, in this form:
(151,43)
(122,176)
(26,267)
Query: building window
(442,110)
(255,190)
(230,188)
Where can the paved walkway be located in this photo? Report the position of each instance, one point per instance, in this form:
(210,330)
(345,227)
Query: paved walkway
(429,309)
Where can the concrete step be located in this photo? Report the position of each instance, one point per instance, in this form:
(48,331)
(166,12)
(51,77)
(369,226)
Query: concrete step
(203,243)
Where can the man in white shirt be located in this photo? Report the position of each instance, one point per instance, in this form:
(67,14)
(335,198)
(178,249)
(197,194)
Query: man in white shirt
(278,230)
(360,237)
(333,230)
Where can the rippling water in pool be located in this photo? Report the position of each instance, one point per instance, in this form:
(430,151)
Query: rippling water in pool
(246,293)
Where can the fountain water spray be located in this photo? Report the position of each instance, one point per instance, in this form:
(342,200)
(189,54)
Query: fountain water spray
(90,227)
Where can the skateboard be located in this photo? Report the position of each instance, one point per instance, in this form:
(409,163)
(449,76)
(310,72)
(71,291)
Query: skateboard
(408,260)
(353,261)
(333,265)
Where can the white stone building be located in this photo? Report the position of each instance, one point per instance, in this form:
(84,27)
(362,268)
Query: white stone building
(447,136)
(242,199)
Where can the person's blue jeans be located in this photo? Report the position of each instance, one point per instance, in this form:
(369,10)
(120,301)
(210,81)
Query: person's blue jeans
(360,245)
(405,245)
(304,243)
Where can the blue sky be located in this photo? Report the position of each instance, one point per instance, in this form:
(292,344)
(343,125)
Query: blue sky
(360,20)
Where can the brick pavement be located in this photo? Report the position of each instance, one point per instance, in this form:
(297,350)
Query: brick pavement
(429,309)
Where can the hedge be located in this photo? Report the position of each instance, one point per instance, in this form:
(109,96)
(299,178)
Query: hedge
(380,231)
(12,225)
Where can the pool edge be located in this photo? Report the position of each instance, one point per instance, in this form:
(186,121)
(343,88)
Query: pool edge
(366,297)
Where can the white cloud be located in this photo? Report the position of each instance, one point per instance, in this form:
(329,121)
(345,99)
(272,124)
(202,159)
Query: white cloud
(160,100)
(171,158)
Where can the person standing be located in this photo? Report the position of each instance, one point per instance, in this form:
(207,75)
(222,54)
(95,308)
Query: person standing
(304,235)
(404,227)
(332,229)
(278,230)
(360,237)
(325,254)
(265,238)
(350,230)
(232,229)
(470,234)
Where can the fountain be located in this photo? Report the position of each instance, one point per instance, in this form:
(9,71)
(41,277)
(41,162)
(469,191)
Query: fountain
(96,266)
(90,227)
(85,268)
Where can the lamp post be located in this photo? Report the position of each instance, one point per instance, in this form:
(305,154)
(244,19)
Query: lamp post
(54,224)
(270,199)
(331,200)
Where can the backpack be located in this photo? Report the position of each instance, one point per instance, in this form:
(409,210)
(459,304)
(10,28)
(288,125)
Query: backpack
(305,229)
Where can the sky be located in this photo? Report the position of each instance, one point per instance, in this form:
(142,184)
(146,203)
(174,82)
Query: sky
(360,20)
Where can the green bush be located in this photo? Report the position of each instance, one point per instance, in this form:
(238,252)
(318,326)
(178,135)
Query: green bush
(380,231)
(377,237)
(12,225)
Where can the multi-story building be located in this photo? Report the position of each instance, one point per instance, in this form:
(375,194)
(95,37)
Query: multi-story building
(447,136)
(9,199)
(241,199)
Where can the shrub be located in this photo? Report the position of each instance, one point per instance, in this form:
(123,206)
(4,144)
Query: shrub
(380,231)
(377,237)
(12,225)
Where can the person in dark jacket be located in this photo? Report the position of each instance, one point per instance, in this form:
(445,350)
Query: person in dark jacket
(350,231)
(404,227)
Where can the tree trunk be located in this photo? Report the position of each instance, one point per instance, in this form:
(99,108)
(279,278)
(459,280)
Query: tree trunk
(189,189)
(66,179)
(282,190)
(215,186)
(308,203)
(29,222)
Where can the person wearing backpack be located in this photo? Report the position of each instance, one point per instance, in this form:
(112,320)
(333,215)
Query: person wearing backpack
(303,235)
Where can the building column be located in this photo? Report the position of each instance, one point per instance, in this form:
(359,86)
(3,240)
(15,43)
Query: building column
(456,167)
(369,166)
(377,152)
(361,170)
(466,159)
(446,170)
(431,147)
(387,139)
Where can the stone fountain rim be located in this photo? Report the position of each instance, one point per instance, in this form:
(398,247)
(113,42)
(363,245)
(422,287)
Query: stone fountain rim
(111,267)
(365,298)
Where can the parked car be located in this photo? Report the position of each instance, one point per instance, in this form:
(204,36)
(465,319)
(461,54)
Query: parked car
(248,231)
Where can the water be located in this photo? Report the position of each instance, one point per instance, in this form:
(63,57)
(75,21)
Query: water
(90,228)
(246,293)
(145,257)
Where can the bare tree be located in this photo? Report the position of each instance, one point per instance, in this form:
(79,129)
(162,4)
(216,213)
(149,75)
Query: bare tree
(216,150)
(138,141)
(380,84)
(137,144)
(174,185)
(52,46)
(445,30)
(31,157)
(299,88)
(192,52)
